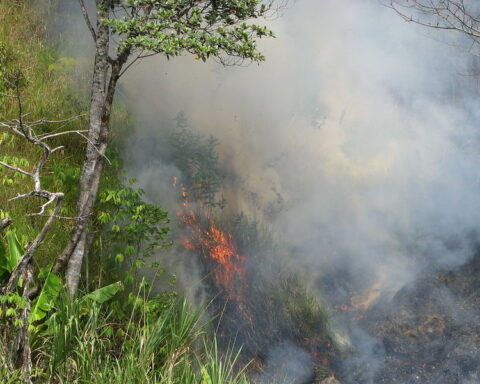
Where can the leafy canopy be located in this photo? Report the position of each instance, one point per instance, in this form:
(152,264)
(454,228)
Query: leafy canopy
(212,28)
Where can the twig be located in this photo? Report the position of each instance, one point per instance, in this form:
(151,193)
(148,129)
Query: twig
(49,136)
(15,169)
(96,149)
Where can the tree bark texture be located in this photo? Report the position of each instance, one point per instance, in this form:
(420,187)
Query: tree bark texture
(105,77)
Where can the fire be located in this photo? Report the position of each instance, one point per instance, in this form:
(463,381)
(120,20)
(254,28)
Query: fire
(361,303)
(217,246)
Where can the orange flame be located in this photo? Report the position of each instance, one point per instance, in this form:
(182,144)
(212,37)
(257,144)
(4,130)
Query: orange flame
(217,246)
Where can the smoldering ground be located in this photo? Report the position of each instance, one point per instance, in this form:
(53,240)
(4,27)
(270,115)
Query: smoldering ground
(355,142)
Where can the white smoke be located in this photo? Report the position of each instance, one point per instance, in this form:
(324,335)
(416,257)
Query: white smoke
(358,132)
(356,141)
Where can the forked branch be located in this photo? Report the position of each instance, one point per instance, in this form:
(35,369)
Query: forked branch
(27,130)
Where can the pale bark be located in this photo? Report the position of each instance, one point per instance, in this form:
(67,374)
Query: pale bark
(27,130)
(26,258)
(4,223)
(105,77)
(92,163)
(23,352)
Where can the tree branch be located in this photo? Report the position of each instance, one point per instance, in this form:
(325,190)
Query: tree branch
(26,258)
(26,130)
(16,169)
(87,19)
(4,223)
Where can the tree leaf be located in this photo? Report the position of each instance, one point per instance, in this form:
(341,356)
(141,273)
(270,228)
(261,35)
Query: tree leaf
(44,302)
(15,251)
(3,259)
(104,294)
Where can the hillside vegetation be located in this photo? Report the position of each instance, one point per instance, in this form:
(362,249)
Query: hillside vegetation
(115,330)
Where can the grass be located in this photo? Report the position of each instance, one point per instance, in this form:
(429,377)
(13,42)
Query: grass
(49,94)
(155,341)
(52,92)
(128,340)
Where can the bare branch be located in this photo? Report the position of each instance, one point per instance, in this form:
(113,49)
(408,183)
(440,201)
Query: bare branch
(45,121)
(96,149)
(87,19)
(25,259)
(47,136)
(16,169)
(449,15)
(26,129)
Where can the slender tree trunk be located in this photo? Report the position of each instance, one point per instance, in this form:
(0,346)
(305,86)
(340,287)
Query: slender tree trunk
(105,78)
(92,165)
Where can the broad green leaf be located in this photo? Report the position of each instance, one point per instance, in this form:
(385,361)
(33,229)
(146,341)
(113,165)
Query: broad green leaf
(3,259)
(15,251)
(44,302)
(104,294)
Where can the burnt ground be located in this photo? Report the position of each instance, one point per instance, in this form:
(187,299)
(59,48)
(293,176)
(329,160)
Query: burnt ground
(429,333)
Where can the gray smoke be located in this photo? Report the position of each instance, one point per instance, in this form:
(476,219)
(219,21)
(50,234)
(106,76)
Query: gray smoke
(356,142)
(356,139)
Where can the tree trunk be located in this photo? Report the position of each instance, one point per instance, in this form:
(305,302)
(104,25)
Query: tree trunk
(103,91)
(92,165)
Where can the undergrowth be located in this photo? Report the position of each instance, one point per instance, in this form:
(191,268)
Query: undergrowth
(145,340)
(104,335)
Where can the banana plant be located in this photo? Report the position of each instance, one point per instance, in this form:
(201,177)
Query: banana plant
(9,254)
(12,251)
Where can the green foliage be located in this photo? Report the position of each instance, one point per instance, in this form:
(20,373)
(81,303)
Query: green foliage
(205,29)
(96,344)
(10,75)
(134,229)
(9,257)
(101,295)
(50,290)
(47,93)
(101,337)
(10,305)
(9,253)
(220,368)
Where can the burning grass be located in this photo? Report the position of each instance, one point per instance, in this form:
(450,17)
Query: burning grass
(282,328)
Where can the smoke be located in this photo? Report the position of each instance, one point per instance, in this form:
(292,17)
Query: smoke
(286,364)
(355,141)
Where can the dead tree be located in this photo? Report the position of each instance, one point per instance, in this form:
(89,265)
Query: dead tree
(27,130)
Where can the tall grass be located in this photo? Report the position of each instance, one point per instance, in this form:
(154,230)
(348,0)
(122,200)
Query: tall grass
(155,342)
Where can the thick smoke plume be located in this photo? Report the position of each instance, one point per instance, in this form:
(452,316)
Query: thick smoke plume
(356,142)
(356,139)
